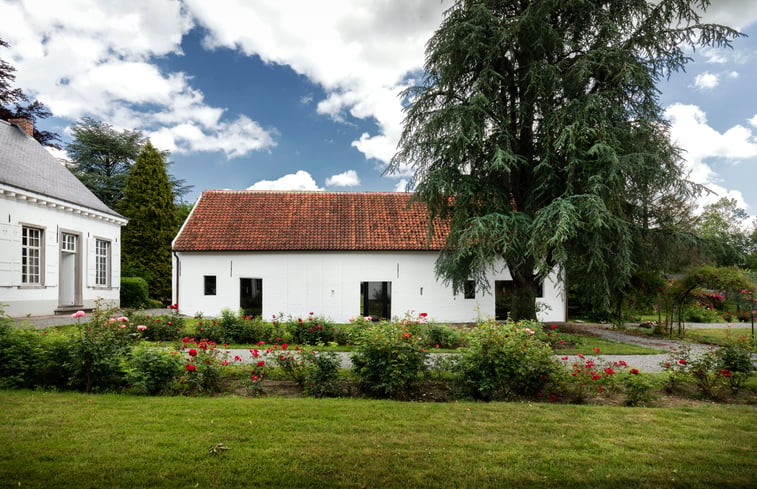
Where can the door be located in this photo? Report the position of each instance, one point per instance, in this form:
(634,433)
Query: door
(69,291)
(251,296)
(376,300)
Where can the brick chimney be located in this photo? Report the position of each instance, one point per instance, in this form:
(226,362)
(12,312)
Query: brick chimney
(26,125)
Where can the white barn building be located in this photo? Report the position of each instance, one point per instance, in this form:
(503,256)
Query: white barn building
(336,254)
(59,244)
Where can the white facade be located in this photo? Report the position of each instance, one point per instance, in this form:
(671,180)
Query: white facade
(329,284)
(55,256)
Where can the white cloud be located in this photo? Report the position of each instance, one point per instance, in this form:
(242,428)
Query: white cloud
(360,52)
(402,186)
(301,180)
(690,130)
(733,13)
(753,121)
(233,138)
(345,179)
(706,80)
(99,62)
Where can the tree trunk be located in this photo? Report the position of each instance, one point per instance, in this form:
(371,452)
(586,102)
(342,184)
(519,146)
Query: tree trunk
(524,295)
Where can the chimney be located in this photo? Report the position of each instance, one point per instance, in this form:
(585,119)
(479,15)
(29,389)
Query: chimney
(26,125)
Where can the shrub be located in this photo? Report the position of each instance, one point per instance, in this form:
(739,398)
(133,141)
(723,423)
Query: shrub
(637,388)
(734,362)
(389,359)
(97,351)
(588,378)
(134,292)
(202,362)
(677,368)
(316,372)
(504,360)
(21,355)
(696,313)
(236,328)
(313,330)
(440,336)
(56,366)
(150,370)
(157,328)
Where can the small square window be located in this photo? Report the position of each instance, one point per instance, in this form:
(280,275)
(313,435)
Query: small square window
(469,289)
(210,285)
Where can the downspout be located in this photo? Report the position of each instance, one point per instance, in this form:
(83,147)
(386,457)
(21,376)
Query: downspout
(178,273)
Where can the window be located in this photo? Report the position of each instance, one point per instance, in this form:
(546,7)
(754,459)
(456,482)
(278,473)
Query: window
(102,263)
(32,246)
(469,289)
(210,285)
(68,243)
(376,300)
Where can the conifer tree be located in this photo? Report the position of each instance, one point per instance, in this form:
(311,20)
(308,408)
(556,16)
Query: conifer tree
(148,203)
(537,128)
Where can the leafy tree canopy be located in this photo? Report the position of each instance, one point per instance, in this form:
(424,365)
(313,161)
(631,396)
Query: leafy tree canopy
(103,157)
(538,134)
(728,233)
(14,104)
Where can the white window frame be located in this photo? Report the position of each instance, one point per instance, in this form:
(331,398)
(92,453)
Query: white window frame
(32,255)
(102,262)
(69,242)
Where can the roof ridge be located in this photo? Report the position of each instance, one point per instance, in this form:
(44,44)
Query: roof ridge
(308,192)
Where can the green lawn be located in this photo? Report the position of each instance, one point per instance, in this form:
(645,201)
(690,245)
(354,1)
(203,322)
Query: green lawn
(718,336)
(606,347)
(100,441)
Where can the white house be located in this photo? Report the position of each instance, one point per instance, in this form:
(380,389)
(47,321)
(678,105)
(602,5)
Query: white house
(59,244)
(339,254)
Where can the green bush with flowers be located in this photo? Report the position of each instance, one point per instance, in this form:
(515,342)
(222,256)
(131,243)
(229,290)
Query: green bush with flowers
(389,360)
(506,360)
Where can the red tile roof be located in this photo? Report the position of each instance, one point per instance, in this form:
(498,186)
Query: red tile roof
(224,220)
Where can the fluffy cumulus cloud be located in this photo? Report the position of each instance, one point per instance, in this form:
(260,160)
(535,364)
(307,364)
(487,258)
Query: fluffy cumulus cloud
(706,80)
(690,130)
(361,53)
(345,179)
(301,180)
(91,58)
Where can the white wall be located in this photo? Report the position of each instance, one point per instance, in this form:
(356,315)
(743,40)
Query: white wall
(19,208)
(328,283)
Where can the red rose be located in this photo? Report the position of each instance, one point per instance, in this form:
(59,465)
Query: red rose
(193,352)
(423,314)
(261,363)
(190,368)
(635,371)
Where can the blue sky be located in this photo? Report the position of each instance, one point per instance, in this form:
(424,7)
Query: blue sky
(296,94)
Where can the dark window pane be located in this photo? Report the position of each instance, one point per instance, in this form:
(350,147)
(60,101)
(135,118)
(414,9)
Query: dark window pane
(210,285)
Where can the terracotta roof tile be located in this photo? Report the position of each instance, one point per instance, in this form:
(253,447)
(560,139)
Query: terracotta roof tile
(293,221)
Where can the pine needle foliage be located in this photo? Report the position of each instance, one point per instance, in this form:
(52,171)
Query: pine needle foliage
(148,203)
(537,132)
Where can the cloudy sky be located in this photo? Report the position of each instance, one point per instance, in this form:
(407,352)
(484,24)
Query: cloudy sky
(299,94)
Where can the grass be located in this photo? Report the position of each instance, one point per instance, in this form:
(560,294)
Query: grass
(56,440)
(719,336)
(607,347)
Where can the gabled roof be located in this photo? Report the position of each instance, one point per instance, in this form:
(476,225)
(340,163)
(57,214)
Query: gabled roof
(224,220)
(25,164)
